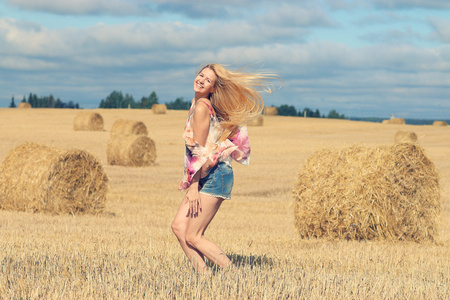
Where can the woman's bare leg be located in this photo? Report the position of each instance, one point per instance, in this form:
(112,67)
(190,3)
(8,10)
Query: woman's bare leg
(179,228)
(190,229)
(196,227)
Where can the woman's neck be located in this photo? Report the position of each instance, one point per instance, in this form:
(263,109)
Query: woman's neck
(200,96)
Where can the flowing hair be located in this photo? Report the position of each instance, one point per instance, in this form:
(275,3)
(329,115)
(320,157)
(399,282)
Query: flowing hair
(237,97)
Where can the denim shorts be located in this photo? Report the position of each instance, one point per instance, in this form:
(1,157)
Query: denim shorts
(219,181)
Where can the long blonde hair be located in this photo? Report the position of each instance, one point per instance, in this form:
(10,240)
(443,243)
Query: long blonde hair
(237,97)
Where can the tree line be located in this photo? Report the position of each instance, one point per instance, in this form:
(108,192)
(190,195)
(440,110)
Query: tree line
(117,99)
(290,110)
(45,102)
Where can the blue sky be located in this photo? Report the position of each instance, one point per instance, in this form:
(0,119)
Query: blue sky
(362,58)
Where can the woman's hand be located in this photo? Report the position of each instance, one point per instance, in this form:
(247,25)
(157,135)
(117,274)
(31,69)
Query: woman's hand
(195,203)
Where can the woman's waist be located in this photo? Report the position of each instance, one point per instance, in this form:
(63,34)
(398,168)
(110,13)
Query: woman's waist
(221,162)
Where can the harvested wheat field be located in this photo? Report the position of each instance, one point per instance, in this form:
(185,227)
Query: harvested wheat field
(129,251)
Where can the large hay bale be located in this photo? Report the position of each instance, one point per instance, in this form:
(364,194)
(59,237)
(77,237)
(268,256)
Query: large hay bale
(258,121)
(385,122)
(88,121)
(38,178)
(131,150)
(405,137)
(128,127)
(440,123)
(159,109)
(270,111)
(24,105)
(386,192)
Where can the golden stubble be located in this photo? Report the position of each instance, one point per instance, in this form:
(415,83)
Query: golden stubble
(130,252)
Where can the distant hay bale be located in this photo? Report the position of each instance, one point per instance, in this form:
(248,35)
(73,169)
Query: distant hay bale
(405,137)
(38,178)
(258,121)
(440,123)
(159,109)
(129,145)
(24,105)
(360,193)
(131,150)
(270,111)
(398,121)
(128,127)
(88,121)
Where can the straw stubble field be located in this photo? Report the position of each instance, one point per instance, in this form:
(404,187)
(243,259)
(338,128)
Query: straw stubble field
(129,251)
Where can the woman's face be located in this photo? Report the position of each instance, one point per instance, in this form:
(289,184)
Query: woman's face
(204,82)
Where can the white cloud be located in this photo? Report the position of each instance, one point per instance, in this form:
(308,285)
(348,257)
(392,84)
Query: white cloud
(138,58)
(441,28)
(85,7)
(120,40)
(297,15)
(393,36)
(409,4)
(85,64)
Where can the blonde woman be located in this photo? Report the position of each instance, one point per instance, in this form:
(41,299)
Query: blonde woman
(214,135)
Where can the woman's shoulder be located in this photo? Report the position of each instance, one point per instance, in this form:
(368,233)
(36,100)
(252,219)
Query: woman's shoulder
(204,106)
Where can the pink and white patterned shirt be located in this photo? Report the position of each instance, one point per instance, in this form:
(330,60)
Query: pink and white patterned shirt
(199,158)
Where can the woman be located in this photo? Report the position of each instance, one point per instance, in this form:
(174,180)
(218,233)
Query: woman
(223,102)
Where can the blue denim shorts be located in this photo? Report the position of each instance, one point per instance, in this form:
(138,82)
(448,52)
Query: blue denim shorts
(219,181)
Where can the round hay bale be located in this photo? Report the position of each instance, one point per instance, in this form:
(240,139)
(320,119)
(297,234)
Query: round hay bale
(24,105)
(38,178)
(258,121)
(88,121)
(128,127)
(131,151)
(360,193)
(386,122)
(405,137)
(270,111)
(159,109)
(440,123)
(400,121)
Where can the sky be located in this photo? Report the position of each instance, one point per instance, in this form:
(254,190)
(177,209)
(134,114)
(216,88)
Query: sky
(368,58)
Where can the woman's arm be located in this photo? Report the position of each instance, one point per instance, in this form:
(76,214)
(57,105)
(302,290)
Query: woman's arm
(200,127)
(200,122)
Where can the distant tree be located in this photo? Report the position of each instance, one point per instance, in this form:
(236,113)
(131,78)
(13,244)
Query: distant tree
(287,110)
(128,101)
(333,114)
(179,104)
(316,113)
(305,113)
(12,105)
(309,113)
(113,100)
(41,101)
(51,101)
(147,102)
(33,100)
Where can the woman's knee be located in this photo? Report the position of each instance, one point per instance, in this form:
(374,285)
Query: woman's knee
(192,239)
(177,229)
